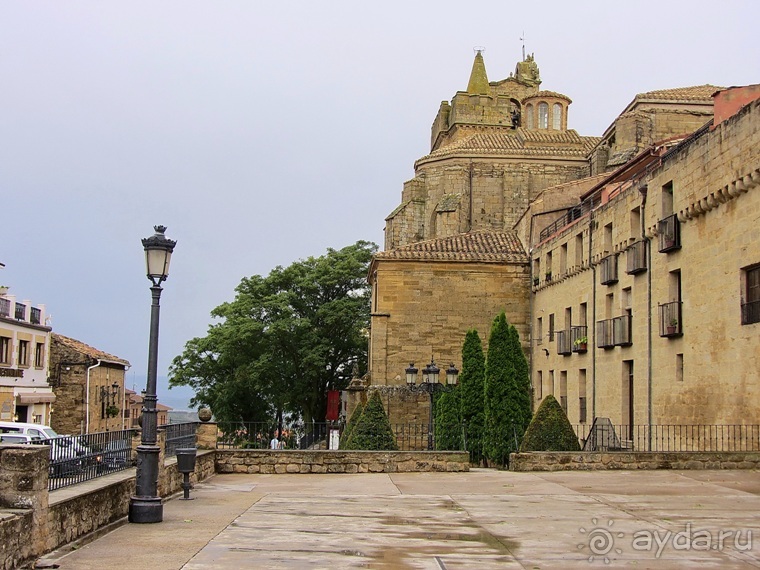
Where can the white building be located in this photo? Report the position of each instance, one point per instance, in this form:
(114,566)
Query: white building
(25,395)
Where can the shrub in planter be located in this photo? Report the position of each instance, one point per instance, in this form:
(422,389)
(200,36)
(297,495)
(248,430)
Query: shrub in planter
(352,421)
(550,430)
(373,430)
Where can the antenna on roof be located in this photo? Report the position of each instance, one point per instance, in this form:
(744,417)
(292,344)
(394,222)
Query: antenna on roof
(522,39)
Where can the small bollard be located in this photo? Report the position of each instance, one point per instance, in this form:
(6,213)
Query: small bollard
(186,465)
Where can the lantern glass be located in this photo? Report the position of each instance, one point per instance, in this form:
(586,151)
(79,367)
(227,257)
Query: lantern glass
(452,375)
(430,373)
(158,254)
(411,374)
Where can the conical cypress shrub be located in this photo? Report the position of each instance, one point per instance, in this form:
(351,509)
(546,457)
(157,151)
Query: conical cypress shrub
(448,424)
(352,421)
(373,430)
(471,386)
(500,412)
(550,430)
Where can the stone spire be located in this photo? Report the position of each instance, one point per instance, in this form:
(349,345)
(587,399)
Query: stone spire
(478,78)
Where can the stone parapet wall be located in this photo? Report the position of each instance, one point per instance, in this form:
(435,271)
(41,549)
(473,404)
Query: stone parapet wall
(292,461)
(33,521)
(601,461)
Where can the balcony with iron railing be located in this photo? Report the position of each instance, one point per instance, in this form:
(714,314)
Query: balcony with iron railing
(5,308)
(572,214)
(669,230)
(604,334)
(751,312)
(636,258)
(564,343)
(579,338)
(20,312)
(670,319)
(621,330)
(608,269)
(35,316)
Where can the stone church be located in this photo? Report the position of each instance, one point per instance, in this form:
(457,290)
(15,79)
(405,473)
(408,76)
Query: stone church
(476,234)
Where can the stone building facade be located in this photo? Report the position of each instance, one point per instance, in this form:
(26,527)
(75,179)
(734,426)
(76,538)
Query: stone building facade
(503,163)
(89,388)
(659,272)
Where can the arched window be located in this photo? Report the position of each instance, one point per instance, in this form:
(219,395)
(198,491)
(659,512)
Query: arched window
(529,116)
(556,116)
(543,115)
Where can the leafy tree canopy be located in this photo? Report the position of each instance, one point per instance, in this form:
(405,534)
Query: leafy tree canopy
(284,341)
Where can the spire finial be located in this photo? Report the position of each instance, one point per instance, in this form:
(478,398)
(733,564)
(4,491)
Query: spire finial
(522,39)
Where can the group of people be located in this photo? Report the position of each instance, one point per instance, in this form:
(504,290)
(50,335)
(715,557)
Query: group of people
(276,443)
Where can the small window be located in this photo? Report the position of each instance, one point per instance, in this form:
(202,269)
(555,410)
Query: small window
(557,117)
(543,115)
(679,367)
(5,350)
(751,292)
(539,330)
(551,327)
(539,385)
(39,355)
(23,353)
(579,250)
(529,116)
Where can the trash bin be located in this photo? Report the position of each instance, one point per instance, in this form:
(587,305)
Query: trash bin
(186,465)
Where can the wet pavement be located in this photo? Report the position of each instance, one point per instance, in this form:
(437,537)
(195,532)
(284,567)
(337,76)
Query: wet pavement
(480,519)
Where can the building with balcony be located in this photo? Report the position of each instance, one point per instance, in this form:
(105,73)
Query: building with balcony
(25,395)
(675,338)
(89,388)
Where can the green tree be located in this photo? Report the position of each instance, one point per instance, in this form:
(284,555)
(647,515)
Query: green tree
(507,396)
(283,341)
(373,430)
(550,430)
(471,386)
(448,422)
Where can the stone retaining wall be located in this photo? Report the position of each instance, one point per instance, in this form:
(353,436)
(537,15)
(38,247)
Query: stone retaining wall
(598,461)
(294,461)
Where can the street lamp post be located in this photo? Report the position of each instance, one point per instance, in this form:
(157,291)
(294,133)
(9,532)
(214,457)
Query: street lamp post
(145,506)
(431,385)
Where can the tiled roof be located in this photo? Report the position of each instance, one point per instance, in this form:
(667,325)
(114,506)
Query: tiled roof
(545,93)
(481,246)
(88,350)
(695,93)
(518,142)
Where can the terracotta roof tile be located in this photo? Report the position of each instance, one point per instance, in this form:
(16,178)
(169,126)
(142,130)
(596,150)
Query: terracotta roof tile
(481,246)
(694,93)
(545,93)
(88,350)
(519,142)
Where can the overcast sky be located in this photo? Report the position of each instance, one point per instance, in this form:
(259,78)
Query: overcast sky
(265,132)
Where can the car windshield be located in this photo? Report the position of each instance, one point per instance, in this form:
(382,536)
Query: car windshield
(50,432)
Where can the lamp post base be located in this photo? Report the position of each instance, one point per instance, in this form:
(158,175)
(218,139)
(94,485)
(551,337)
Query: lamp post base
(146,510)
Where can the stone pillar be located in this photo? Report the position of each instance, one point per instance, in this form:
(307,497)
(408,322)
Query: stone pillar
(24,485)
(207,435)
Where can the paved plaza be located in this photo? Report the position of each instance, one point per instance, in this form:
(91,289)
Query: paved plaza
(480,519)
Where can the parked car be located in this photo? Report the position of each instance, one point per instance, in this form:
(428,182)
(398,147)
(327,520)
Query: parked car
(38,432)
(117,454)
(16,438)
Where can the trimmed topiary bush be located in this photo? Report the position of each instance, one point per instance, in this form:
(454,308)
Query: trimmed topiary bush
(373,430)
(352,421)
(550,429)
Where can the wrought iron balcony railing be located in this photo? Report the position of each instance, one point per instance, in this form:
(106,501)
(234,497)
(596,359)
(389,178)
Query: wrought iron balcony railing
(20,312)
(670,319)
(636,258)
(609,269)
(621,330)
(579,338)
(35,316)
(751,313)
(5,308)
(604,334)
(669,230)
(564,344)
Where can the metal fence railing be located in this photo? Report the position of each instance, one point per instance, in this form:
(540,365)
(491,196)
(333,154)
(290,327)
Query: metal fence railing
(78,458)
(179,436)
(602,435)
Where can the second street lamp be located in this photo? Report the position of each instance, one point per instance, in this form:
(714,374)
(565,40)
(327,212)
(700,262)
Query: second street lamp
(145,506)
